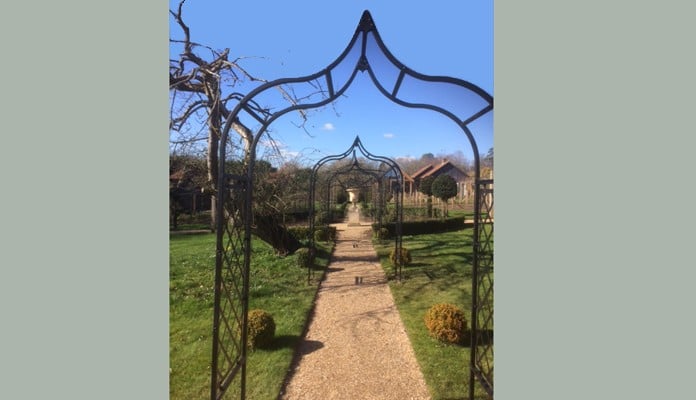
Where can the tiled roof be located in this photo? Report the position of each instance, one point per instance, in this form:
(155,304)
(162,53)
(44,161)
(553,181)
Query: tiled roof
(444,164)
(420,172)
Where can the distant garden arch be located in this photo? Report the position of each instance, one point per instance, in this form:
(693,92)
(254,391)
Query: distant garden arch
(366,52)
(389,178)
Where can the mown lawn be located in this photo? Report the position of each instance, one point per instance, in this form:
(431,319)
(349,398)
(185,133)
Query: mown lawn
(440,272)
(277,285)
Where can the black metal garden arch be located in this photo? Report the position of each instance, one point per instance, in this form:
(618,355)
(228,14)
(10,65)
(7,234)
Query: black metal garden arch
(383,179)
(366,52)
(391,172)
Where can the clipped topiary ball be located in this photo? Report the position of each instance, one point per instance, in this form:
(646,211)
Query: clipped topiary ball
(405,256)
(446,323)
(325,233)
(305,257)
(261,329)
(321,235)
(382,234)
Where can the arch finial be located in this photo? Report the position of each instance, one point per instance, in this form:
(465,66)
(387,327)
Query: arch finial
(367,24)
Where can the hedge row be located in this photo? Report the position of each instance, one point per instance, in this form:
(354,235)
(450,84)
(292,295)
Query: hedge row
(299,232)
(426,226)
(321,232)
(338,212)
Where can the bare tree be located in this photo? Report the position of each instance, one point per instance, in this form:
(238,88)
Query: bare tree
(201,85)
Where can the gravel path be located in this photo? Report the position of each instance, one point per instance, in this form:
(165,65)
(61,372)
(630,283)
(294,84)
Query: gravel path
(356,346)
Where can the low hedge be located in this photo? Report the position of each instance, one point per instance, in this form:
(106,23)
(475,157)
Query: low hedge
(324,232)
(426,226)
(299,232)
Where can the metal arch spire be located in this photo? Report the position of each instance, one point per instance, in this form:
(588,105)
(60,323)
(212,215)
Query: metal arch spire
(366,24)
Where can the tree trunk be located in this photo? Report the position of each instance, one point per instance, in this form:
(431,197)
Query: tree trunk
(214,124)
(270,231)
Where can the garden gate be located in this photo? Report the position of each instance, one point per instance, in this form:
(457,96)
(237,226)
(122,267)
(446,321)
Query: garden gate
(365,53)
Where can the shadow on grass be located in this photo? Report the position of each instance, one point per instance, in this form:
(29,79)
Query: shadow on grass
(294,342)
(485,337)
(445,278)
(283,341)
(414,265)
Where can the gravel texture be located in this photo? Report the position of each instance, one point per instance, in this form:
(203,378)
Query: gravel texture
(356,346)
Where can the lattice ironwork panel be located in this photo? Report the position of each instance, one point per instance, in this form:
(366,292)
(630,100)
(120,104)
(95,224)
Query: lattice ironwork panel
(231,300)
(482,345)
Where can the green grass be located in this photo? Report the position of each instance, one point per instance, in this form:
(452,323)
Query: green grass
(192,227)
(439,273)
(276,285)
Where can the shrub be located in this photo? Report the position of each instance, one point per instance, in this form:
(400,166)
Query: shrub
(320,235)
(382,234)
(325,233)
(390,214)
(261,329)
(299,232)
(305,257)
(340,210)
(321,217)
(405,256)
(444,187)
(446,323)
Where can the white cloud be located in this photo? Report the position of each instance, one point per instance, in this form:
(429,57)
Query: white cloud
(389,135)
(328,126)
(275,150)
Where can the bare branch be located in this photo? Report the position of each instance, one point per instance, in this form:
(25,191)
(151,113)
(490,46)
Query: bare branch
(244,132)
(188,141)
(194,44)
(192,108)
(184,27)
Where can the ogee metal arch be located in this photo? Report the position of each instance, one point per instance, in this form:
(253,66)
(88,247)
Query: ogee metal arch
(364,53)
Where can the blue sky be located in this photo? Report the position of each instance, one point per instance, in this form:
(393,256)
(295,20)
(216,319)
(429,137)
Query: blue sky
(289,39)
